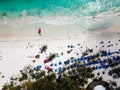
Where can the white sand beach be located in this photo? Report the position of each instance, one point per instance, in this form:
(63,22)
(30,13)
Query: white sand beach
(19,47)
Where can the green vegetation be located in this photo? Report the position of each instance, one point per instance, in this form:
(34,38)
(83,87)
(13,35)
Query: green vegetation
(37,56)
(47,80)
(52,56)
(44,48)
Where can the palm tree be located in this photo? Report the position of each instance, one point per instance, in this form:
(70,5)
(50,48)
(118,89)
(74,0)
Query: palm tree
(113,84)
(50,71)
(52,56)
(44,48)
(90,51)
(37,56)
(24,77)
(67,84)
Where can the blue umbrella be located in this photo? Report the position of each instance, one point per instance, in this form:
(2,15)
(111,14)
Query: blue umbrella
(103,55)
(78,59)
(100,61)
(100,67)
(37,73)
(55,64)
(72,61)
(105,66)
(56,70)
(60,69)
(51,64)
(72,66)
(75,60)
(109,53)
(105,60)
(39,66)
(60,62)
(78,65)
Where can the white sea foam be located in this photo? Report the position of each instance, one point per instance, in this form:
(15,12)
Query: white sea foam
(33,20)
(100,21)
(59,20)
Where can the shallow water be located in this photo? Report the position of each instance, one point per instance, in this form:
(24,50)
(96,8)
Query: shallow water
(62,12)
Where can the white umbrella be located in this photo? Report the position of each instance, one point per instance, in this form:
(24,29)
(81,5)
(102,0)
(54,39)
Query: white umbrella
(99,87)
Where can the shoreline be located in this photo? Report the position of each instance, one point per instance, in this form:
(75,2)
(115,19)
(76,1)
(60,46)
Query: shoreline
(52,32)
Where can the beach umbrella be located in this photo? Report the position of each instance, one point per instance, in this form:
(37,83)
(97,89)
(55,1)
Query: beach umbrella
(72,66)
(39,31)
(105,60)
(94,62)
(59,76)
(51,64)
(78,65)
(100,67)
(60,69)
(57,55)
(55,64)
(103,55)
(82,58)
(96,67)
(60,62)
(105,66)
(64,68)
(47,67)
(78,59)
(117,52)
(56,70)
(37,73)
(72,61)
(101,42)
(116,63)
(46,60)
(67,62)
(34,68)
(90,63)
(99,87)
(114,58)
(39,66)
(72,46)
(109,53)
(100,61)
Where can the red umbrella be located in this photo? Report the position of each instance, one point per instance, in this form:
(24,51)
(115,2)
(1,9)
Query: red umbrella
(39,30)
(46,60)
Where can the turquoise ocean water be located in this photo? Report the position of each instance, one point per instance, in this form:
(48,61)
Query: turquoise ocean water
(80,10)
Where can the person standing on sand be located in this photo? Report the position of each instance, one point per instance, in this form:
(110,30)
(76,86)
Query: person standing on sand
(39,31)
